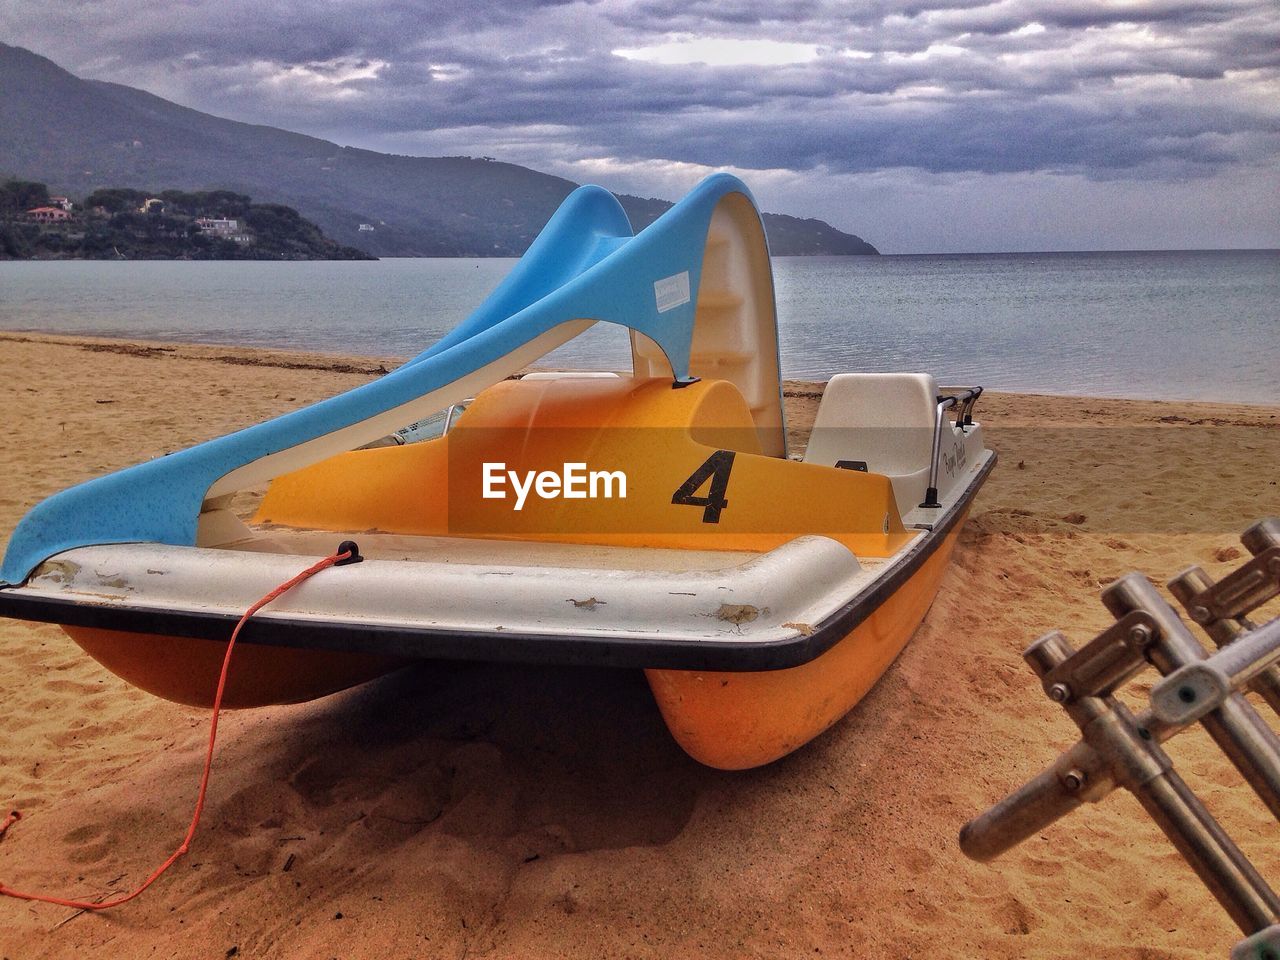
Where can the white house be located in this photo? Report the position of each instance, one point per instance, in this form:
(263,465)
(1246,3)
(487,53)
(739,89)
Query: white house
(217,225)
(48,215)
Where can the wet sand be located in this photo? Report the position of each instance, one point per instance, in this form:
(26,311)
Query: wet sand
(469,810)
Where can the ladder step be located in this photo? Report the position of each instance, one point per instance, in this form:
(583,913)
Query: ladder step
(719,300)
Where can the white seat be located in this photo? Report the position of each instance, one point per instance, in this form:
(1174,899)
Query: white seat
(884,420)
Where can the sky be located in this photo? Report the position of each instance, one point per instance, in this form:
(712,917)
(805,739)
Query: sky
(921,125)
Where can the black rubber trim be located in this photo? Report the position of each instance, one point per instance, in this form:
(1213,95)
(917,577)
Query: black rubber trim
(501,645)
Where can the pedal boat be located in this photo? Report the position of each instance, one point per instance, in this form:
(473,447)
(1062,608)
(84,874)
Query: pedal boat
(664,526)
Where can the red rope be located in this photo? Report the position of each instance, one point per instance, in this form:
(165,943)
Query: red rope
(15,816)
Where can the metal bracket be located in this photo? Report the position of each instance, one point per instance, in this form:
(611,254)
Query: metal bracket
(1118,749)
(1240,592)
(1105,663)
(1193,691)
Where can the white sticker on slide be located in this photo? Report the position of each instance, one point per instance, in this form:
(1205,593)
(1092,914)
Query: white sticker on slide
(672,291)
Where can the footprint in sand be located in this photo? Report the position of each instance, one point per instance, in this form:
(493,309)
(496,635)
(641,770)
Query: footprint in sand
(1018,918)
(317,780)
(91,843)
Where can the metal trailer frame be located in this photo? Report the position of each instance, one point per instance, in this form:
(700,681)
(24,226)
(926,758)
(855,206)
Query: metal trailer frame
(1119,749)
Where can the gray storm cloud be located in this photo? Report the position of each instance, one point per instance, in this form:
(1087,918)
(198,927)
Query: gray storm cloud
(1148,93)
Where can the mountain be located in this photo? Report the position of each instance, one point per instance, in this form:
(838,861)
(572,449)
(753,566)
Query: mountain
(78,135)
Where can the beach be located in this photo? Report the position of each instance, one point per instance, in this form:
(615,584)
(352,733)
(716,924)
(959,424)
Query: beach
(472,810)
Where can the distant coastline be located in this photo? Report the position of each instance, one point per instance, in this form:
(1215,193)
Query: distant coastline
(81,135)
(117,223)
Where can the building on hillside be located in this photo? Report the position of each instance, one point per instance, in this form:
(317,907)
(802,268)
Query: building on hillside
(62,203)
(218,225)
(223,229)
(366,228)
(152,205)
(48,215)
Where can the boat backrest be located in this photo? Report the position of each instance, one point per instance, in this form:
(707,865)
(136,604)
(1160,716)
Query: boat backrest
(882,420)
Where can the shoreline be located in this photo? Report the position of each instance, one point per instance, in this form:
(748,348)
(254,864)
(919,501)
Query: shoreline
(512,811)
(340,362)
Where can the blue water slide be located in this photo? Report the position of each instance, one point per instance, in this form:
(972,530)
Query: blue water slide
(584,265)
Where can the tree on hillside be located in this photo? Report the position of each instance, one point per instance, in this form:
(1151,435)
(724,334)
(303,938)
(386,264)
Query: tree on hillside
(224,203)
(206,203)
(171,230)
(116,199)
(14,244)
(19,196)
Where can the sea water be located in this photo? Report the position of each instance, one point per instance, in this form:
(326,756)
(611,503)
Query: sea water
(1169,325)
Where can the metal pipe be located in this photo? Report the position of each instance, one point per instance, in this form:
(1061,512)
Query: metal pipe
(940,417)
(1085,770)
(1228,874)
(1250,745)
(1186,588)
(1080,775)
(1035,805)
(1262,535)
(1118,748)
(1047,797)
(1137,763)
(1192,582)
(965,400)
(1051,650)
(1256,651)
(1192,691)
(964,418)
(1146,771)
(448,417)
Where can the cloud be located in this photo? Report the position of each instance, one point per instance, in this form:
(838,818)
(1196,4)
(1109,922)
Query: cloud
(1147,91)
(722,52)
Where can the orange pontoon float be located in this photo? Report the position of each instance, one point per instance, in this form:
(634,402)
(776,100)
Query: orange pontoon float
(649,519)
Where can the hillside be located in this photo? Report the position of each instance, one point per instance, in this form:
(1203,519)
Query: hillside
(80,135)
(126,224)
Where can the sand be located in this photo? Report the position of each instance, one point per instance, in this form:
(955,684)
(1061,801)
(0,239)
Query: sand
(497,811)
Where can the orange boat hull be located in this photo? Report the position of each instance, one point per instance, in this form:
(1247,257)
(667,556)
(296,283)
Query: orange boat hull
(185,669)
(734,721)
(729,720)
